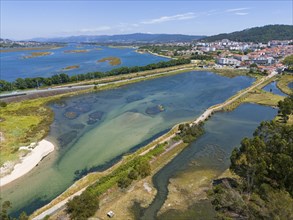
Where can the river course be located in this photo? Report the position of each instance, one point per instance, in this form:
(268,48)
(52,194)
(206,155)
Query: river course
(92,131)
(212,151)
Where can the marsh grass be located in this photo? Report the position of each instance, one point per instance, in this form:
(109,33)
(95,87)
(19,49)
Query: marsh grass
(113,61)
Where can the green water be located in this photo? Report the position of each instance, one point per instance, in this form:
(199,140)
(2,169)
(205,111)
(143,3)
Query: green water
(93,130)
(223,132)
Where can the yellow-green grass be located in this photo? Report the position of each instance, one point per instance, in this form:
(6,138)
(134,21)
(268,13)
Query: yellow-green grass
(114,61)
(262,97)
(76,51)
(21,124)
(37,54)
(283,82)
(231,72)
(71,67)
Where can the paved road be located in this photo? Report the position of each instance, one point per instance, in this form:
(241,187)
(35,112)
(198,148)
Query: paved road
(77,86)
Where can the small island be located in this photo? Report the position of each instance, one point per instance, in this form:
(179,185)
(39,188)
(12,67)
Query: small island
(71,67)
(37,54)
(114,61)
(76,51)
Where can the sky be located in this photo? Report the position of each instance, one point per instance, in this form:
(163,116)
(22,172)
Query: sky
(21,20)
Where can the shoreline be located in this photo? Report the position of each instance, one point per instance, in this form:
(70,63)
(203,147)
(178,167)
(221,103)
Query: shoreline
(28,162)
(155,54)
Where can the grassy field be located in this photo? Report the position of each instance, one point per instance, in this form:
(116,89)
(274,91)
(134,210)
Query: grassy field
(262,97)
(283,82)
(21,124)
(113,61)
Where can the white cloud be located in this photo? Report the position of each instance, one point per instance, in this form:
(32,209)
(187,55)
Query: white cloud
(241,13)
(177,17)
(236,9)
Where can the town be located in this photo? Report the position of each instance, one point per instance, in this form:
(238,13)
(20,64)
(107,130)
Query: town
(262,57)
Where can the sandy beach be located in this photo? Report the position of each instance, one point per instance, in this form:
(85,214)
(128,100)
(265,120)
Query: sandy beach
(27,163)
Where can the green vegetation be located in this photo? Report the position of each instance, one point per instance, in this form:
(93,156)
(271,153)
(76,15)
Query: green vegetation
(163,49)
(189,133)
(23,123)
(63,78)
(138,166)
(201,57)
(5,206)
(76,51)
(257,34)
(262,97)
(114,61)
(82,207)
(283,82)
(71,67)
(286,107)
(37,54)
(264,164)
(289,62)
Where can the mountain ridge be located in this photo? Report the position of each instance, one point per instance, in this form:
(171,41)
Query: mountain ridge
(125,38)
(261,34)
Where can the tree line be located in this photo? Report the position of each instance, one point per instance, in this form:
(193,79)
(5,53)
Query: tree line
(63,78)
(264,164)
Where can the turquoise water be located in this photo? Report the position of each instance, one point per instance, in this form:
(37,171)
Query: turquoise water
(290,85)
(272,87)
(223,132)
(14,66)
(94,130)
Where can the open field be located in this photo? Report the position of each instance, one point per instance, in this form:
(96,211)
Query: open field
(113,61)
(283,82)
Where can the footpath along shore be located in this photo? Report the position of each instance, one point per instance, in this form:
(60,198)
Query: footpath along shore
(27,163)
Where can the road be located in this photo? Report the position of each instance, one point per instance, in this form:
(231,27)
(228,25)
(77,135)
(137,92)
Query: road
(71,87)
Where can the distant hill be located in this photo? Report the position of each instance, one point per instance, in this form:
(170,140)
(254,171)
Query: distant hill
(257,34)
(127,38)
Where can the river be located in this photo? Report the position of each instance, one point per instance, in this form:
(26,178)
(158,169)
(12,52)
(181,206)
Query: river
(223,132)
(92,131)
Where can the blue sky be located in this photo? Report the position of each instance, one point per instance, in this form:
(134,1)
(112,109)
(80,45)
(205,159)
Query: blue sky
(28,19)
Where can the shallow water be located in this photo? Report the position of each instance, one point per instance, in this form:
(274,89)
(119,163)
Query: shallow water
(13,65)
(94,130)
(272,87)
(223,132)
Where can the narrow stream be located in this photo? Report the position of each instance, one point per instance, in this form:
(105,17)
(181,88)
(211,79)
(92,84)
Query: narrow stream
(223,132)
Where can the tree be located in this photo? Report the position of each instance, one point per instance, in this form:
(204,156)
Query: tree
(143,168)
(4,210)
(82,207)
(124,182)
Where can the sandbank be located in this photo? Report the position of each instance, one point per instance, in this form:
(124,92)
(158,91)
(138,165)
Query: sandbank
(28,162)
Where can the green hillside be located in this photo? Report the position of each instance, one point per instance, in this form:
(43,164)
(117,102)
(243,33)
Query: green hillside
(257,34)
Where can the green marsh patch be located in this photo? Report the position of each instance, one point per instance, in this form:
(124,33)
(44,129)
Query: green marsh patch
(113,61)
